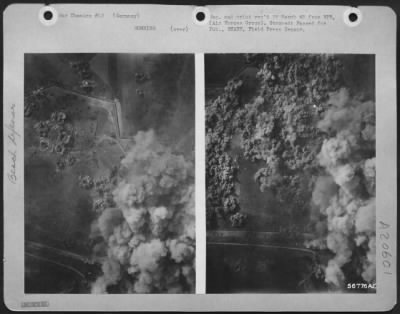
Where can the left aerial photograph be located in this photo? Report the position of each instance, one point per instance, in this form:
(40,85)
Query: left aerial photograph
(109,173)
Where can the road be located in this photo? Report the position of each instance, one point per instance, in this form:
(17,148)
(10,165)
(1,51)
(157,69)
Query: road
(78,264)
(267,246)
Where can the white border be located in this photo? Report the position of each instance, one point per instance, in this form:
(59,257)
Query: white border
(200,177)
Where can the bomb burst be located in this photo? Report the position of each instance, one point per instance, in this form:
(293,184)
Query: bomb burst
(148,239)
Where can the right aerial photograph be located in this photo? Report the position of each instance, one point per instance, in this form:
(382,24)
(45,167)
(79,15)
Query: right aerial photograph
(290,173)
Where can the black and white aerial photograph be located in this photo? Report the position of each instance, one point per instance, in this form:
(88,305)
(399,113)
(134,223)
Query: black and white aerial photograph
(290,173)
(109,173)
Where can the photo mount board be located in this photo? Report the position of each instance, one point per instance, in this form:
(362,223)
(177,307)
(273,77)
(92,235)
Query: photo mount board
(164,29)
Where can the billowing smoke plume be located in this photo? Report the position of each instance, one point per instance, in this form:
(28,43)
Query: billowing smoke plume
(345,193)
(148,238)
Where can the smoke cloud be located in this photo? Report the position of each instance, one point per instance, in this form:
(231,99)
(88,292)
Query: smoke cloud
(148,239)
(345,193)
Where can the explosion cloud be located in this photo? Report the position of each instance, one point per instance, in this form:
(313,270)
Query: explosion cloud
(302,127)
(345,193)
(148,238)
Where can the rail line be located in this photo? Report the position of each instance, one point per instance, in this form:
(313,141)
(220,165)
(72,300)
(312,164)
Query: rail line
(308,251)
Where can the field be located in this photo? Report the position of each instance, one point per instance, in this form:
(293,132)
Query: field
(84,114)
